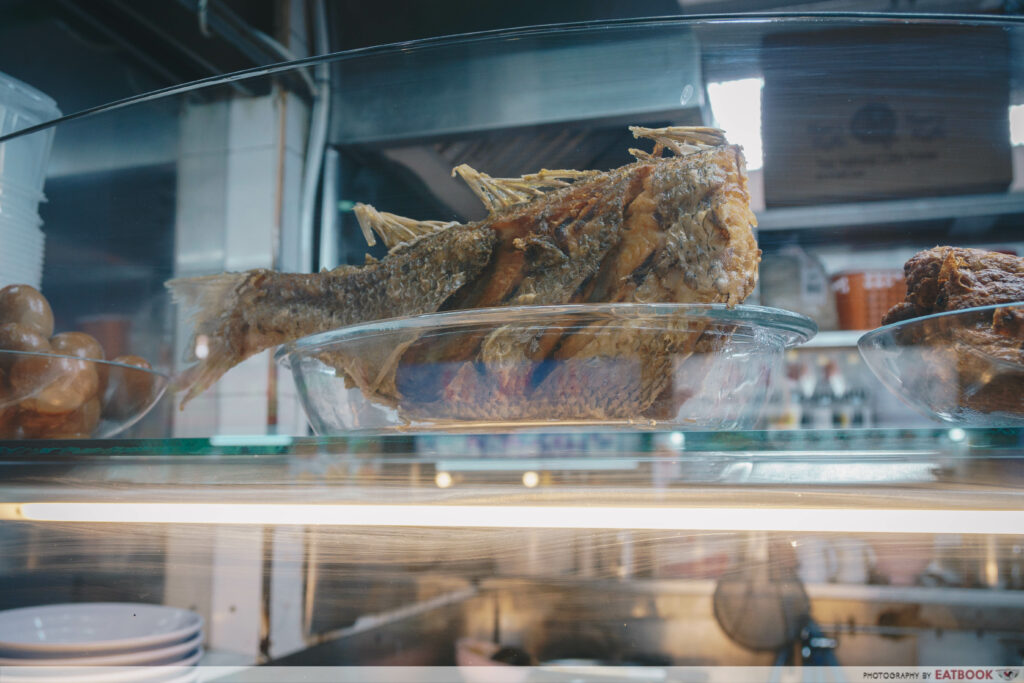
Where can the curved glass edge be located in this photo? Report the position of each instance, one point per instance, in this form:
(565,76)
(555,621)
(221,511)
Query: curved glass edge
(892,360)
(794,327)
(523,32)
(156,373)
(117,427)
(107,427)
(872,338)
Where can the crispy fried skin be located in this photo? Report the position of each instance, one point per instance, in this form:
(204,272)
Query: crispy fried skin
(659,232)
(663,229)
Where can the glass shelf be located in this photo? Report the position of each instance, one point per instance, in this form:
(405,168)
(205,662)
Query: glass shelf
(385,548)
(891,212)
(585,445)
(936,480)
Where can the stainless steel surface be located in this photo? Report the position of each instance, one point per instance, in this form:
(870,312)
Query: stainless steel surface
(525,81)
(670,623)
(348,598)
(417,628)
(891,211)
(330,237)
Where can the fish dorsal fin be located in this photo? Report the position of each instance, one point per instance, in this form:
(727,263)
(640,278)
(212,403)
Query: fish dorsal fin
(682,140)
(642,155)
(499,193)
(395,231)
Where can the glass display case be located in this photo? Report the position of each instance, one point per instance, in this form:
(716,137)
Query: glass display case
(866,548)
(835,523)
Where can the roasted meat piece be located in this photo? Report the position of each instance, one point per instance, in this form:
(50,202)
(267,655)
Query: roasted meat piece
(952,278)
(955,278)
(978,358)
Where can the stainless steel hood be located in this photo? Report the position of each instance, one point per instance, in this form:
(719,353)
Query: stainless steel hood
(530,79)
(553,100)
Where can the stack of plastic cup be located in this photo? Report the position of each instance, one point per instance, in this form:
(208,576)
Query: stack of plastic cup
(22,174)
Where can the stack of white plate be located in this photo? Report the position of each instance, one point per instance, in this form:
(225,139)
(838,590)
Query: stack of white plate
(95,642)
(21,259)
(23,162)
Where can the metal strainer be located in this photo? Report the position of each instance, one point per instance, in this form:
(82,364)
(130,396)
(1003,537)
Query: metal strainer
(762,605)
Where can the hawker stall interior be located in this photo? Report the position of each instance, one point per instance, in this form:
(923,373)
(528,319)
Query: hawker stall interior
(473,341)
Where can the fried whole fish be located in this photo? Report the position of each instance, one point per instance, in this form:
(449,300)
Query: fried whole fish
(663,229)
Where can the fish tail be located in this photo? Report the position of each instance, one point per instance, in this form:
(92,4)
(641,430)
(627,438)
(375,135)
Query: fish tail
(211,301)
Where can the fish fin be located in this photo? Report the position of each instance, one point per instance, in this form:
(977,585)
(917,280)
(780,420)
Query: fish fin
(209,300)
(642,155)
(203,295)
(198,378)
(500,193)
(682,140)
(395,231)
(556,178)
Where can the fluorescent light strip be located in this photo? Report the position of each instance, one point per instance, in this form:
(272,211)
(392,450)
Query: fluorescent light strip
(942,521)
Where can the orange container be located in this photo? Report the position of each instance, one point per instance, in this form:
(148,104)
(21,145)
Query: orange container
(864,296)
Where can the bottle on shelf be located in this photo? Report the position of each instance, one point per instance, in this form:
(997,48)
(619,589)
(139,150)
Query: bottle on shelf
(822,400)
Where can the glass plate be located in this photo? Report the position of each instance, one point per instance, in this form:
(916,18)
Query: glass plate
(685,366)
(51,396)
(962,366)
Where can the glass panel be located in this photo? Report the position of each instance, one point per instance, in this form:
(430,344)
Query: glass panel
(861,155)
(633,463)
(871,532)
(904,546)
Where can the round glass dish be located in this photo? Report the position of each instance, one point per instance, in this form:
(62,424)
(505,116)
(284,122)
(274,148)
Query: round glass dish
(684,366)
(50,396)
(962,366)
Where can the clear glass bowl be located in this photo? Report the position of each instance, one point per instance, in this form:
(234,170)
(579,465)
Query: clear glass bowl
(686,366)
(953,366)
(50,396)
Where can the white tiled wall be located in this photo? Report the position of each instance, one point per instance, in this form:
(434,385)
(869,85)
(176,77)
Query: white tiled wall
(239,185)
(253,122)
(291,418)
(251,208)
(204,130)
